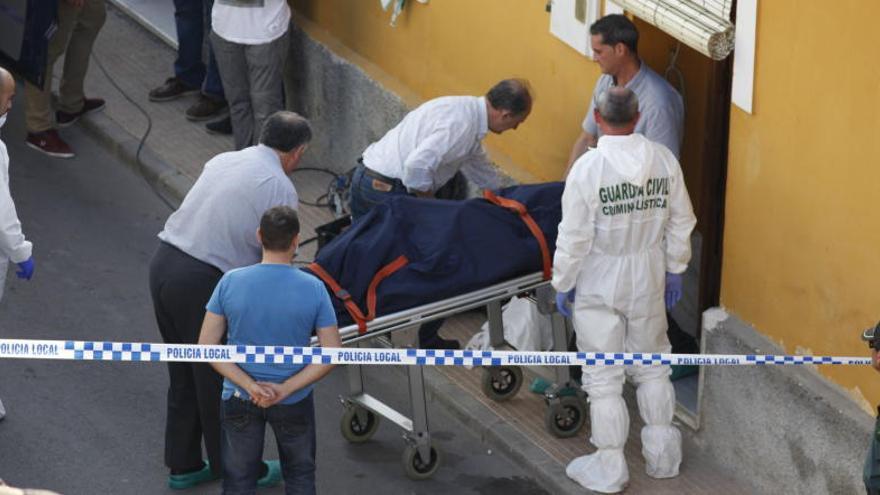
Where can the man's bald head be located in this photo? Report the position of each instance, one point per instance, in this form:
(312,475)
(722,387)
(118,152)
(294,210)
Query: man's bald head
(6,81)
(7,90)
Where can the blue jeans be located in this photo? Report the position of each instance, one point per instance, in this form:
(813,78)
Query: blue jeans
(192,19)
(364,196)
(243,433)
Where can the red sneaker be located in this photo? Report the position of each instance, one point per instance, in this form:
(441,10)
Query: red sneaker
(50,143)
(64,119)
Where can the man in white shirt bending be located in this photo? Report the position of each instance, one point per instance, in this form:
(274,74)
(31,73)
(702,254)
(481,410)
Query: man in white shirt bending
(211,233)
(436,140)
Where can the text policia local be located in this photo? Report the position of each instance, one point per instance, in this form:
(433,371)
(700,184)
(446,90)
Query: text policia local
(29,349)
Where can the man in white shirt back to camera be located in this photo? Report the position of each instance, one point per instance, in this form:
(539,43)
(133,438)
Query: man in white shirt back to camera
(436,140)
(211,233)
(429,147)
(250,40)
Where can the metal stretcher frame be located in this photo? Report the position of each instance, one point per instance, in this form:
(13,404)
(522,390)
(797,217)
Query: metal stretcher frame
(362,409)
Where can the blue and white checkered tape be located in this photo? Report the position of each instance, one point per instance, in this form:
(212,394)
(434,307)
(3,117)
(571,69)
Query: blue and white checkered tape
(112,351)
(138,351)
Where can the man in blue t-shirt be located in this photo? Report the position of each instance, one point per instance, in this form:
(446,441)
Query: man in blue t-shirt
(271,303)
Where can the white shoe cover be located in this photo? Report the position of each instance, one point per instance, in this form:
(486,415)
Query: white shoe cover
(661,442)
(604,471)
(661,446)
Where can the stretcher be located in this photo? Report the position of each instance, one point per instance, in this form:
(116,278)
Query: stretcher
(362,411)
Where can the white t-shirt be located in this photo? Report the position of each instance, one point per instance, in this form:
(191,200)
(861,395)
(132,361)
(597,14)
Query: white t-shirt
(250,22)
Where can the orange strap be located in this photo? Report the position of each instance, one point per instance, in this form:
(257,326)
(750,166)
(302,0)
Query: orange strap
(342,295)
(381,275)
(345,297)
(520,209)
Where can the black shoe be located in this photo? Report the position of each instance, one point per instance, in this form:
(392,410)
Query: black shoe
(439,342)
(172,89)
(64,119)
(206,108)
(222,126)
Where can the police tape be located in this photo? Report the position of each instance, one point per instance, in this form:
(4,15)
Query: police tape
(146,352)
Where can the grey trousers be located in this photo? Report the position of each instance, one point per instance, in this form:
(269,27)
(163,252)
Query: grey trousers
(253,81)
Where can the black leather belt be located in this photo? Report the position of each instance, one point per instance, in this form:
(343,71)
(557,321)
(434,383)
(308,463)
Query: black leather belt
(376,175)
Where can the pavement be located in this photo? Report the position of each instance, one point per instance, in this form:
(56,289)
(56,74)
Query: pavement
(171,159)
(98,427)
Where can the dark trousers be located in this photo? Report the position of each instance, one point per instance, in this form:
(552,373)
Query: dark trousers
(244,431)
(192,18)
(181,286)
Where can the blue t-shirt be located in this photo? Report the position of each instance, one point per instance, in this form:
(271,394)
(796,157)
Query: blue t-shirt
(271,304)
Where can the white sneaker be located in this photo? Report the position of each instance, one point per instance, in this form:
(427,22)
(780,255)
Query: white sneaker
(2,411)
(604,471)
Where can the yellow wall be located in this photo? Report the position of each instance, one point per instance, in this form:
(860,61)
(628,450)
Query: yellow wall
(454,47)
(802,233)
(801,258)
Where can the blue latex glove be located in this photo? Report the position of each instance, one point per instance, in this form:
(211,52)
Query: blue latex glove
(673,289)
(26,269)
(563,302)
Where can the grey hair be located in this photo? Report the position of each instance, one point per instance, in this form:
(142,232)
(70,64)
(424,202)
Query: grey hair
(284,131)
(618,106)
(514,95)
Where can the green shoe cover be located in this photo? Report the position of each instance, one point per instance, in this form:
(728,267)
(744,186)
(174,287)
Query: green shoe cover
(273,475)
(189,480)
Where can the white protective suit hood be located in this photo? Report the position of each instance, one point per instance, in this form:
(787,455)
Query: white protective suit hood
(630,156)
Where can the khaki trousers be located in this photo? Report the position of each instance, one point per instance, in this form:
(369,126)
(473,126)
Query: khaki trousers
(77,29)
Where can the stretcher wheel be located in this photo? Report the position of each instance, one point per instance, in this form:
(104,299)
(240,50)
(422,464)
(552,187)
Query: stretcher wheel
(358,424)
(565,417)
(502,383)
(416,468)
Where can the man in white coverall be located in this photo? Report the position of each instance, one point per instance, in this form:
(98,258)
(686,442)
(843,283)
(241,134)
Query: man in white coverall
(13,246)
(626,219)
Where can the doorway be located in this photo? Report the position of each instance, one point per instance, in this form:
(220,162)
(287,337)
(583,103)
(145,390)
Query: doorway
(705,86)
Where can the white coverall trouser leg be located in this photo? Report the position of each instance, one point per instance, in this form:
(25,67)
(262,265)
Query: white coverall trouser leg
(602,329)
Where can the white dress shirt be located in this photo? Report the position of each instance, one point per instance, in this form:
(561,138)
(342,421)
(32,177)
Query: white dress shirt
(433,142)
(218,219)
